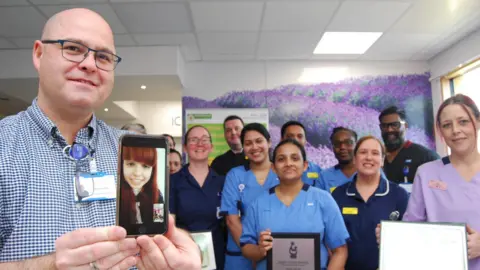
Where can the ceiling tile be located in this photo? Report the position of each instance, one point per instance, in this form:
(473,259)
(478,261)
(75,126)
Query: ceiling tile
(298,16)
(5,44)
(387,57)
(425,17)
(124,41)
(66,2)
(4,3)
(396,43)
(367,16)
(191,52)
(103,9)
(164,39)
(24,42)
(227,16)
(336,56)
(287,45)
(21,21)
(228,57)
(154,17)
(227,43)
(143,1)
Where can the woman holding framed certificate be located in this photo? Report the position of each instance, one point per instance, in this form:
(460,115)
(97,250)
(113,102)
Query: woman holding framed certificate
(243,185)
(448,190)
(298,210)
(195,196)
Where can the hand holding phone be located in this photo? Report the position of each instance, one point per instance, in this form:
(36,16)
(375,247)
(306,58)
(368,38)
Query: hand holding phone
(142,185)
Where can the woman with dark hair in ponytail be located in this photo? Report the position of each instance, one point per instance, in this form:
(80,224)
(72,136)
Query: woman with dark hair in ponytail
(139,171)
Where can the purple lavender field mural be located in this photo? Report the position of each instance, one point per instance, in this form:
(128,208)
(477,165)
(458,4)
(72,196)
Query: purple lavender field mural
(354,103)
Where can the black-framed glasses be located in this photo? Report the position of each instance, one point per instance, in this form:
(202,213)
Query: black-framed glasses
(203,140)
(347,142)
(395,125)
(77,52)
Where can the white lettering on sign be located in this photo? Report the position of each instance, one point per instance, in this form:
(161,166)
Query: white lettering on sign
(176,121)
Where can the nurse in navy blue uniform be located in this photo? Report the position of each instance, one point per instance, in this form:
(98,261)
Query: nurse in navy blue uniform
(295,130)
(367,200)
(195,192)
(244,184)
(293,206)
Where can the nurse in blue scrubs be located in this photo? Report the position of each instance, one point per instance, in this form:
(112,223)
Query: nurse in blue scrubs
(343,141)
(293,206)
(244,184)
(295,130)
(195,192)
(367,200)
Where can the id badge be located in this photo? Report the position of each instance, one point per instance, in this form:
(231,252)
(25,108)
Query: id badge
(94,186)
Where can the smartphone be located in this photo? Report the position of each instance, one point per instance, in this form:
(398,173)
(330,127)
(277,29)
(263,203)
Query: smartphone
(143,184)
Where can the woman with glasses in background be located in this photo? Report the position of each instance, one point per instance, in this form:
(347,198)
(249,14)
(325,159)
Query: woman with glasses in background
(195,192)
(242,186)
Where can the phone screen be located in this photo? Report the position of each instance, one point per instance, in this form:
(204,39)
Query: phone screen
(142,194)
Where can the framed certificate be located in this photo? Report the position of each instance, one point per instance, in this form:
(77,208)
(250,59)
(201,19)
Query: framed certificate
(420,246)
(299,251)
(204,241)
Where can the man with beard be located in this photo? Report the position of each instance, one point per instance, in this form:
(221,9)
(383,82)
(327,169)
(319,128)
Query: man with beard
(403,156)
(295,130)
(343,141)
(232,128)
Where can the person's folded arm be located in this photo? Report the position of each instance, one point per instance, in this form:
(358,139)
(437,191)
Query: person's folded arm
(44,262)
(229,209)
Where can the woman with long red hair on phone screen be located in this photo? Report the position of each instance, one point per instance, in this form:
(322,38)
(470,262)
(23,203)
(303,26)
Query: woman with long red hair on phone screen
(138,188)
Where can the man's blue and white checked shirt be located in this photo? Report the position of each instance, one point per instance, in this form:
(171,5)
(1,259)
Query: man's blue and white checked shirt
(36,183)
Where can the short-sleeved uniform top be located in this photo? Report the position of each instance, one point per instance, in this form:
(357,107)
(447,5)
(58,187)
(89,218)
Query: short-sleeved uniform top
(228,160)
(440,194)
(197,208)
(240,190)
(331,178)
(312,174)
(407,162)
(361,219)
(312,211)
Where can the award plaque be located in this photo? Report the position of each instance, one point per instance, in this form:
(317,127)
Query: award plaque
(204,241)
(420,246)
(299,251)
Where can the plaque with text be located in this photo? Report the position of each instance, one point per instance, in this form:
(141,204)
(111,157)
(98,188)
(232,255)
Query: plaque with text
(439,246)
(294,251)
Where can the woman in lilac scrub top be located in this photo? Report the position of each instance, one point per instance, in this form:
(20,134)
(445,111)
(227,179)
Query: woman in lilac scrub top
(448,190)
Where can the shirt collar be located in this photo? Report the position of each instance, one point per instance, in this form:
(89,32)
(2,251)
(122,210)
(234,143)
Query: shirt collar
(48,129)
(304,188)
(382,190)
(446,160)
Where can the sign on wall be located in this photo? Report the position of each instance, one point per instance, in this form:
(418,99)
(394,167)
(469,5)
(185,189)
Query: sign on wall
(212,119)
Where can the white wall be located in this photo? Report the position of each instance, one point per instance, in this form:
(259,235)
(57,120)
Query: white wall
(212,79)
(152,60)
(445,62)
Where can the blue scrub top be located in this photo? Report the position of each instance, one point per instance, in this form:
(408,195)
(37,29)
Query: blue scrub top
(331,178)
(312,211)
(361,219)
(240,190)
(312,174)
(198,208)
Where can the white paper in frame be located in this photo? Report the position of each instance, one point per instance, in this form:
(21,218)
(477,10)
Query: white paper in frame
(204,240)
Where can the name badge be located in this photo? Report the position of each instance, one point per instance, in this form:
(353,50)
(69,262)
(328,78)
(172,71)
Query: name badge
(312,175)
(332,189)
(350,211)
(437,184)
(94,186)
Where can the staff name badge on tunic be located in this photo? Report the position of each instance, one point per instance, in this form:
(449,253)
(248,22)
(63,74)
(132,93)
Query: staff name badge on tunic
(92,185)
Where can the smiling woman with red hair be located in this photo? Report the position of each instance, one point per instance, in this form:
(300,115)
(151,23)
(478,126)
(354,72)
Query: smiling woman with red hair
(139,188)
